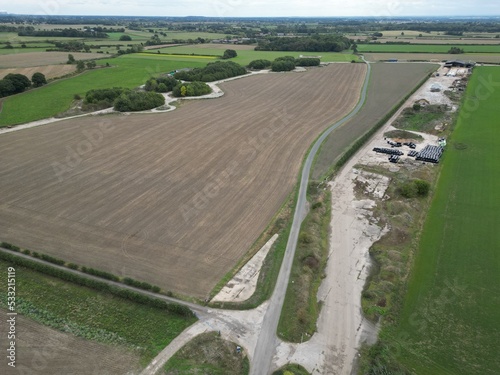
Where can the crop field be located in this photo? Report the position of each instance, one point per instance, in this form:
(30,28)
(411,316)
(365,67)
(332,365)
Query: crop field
(127,71)
(477,57)
(97,323)
(449,323)
(389,83)
(29,59)
(174,199)
(48,352)
(426,48)
(50,71)
(450,41)
(246,54)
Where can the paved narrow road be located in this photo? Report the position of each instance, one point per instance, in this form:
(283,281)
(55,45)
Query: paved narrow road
(267,341)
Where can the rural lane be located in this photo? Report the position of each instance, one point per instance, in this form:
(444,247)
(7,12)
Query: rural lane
(268,341)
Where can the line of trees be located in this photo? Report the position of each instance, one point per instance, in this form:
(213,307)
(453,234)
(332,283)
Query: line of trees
(212,72)
(314,43)
(288,63)
(14,83)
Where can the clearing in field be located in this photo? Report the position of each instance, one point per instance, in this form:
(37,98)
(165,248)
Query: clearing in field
(389,83)
(449,323)
(174,199)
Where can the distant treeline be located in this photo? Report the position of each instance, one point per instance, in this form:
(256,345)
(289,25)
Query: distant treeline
(315,43)
(69,33)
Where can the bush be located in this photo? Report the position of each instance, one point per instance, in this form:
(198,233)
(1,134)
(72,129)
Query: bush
(138,101)
(259,64)
(191,89)
(455,50)
(414,188)
(9,246)
(125,38)
(51,259)
(102,98)
(229,54)
(161,84)
(282,66)
(307,61)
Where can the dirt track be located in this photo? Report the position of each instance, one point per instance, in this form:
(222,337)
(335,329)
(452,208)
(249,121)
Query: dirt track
(174,199)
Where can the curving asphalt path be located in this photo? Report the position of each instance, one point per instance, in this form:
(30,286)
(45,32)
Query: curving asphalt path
(268,341)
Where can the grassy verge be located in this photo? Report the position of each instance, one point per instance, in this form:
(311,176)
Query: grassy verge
(301,309)
(94,315)
(208,354)
(443,319)
(291,369)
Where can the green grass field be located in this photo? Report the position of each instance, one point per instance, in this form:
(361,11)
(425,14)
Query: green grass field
(426,48)
(449,323)
(245,56)
(91,314)
(126,71)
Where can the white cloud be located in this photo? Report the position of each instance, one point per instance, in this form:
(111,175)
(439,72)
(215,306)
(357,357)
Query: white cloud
(271,8)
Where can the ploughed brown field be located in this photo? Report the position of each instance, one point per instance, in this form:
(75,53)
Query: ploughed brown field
(49,71)
(174,199)
(28,59)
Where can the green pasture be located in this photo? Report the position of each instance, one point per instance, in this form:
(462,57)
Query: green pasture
(92,314)
(126,71)
(449,322)
(427,48)
(245,56)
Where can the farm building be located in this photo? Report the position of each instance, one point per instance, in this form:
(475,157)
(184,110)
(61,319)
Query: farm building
(459,64)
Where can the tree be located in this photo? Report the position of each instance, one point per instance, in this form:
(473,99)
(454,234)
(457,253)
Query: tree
(125,38)
(71,59)
(6,88)
(402,33)
(354,48)
(229,54)
(38,79)
(282,65)
(80,65)
(19,81)
(91,64)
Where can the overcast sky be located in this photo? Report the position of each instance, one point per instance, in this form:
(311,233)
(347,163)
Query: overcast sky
(260,8)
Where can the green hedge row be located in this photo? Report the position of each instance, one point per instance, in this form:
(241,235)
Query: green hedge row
(97,285)
(88,270)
